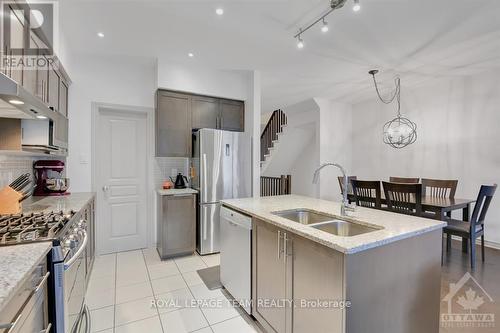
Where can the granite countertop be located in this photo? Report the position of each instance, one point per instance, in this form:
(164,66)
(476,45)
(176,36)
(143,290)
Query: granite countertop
(16,264)
(392,226)
(66,203)
(174,191)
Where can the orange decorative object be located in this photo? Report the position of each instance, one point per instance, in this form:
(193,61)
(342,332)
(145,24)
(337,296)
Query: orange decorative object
(167,185)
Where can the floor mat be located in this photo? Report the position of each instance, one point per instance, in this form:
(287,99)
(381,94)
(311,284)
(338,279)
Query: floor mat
(211,277)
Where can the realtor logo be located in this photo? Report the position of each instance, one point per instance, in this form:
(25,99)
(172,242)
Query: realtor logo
(465,300)
(28,29)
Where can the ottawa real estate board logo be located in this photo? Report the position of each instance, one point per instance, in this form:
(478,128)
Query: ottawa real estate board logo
(467,304)
(27,34)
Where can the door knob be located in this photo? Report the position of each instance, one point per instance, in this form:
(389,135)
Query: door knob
(105,188)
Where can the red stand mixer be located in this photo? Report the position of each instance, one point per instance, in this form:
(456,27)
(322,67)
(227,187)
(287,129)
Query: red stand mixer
(46,183)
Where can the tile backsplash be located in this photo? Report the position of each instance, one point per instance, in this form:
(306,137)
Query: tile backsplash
(169,167)
(12,166)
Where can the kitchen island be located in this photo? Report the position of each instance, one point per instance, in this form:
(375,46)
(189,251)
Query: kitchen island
(375,271)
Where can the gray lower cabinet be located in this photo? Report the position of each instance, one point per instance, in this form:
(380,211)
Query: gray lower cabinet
(176,224)
(290,273)
(173,124)
(27,311)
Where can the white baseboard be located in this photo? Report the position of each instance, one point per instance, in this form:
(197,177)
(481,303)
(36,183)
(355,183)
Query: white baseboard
(490,244)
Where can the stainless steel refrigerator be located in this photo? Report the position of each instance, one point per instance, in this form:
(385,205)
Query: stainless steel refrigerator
(223,170)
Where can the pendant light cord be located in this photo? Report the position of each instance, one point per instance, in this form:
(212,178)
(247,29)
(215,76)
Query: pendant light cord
(396,96)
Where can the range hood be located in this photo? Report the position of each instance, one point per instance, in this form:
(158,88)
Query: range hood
(17,102)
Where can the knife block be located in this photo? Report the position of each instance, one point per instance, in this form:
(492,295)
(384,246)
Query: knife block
(9,201)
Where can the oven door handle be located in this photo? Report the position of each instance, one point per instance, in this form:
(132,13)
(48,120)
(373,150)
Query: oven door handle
(67,265)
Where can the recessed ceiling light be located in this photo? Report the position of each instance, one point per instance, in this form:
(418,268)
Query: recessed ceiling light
(16,102)
(219,11)
(100,34)
(190,55)
(41,117)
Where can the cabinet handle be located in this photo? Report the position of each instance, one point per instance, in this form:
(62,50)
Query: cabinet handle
(47,330)
(42,282)
(285,246)
(221,122)
(10,326)
(279,247)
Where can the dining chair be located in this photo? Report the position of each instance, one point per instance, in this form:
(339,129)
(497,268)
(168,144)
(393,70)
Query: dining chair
(349,185)
(475,228)
(439,188)
(367,193)
(403,180)
(403,198)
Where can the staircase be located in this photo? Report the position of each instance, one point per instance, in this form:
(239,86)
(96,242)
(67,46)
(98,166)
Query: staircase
(270,134)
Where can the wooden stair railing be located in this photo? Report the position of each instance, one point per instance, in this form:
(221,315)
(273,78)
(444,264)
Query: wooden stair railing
(275,185)
(270,133)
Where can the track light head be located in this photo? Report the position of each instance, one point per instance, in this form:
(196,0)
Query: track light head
(300,43)
(356,7)
(324,28)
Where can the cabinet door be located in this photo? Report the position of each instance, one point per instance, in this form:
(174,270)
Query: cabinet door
(269,276)
(53,89)
(63,98)
(317,275)
(16,42)
(179,224)
(30,73)
(173,125)
(232,115)
(205,112)
(42,79)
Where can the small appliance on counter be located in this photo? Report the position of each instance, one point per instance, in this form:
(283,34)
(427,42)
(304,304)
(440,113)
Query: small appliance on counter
(179,181)
(48,178)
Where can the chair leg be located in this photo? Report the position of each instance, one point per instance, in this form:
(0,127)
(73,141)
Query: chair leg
(472,253)
(464,245)
(482,248)
(448,243)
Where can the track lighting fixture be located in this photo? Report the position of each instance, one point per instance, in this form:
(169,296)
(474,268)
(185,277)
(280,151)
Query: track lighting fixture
(334,4)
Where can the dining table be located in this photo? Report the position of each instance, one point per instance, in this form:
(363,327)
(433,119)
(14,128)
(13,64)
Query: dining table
(440,207)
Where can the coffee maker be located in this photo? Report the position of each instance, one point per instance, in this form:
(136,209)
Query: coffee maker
(48,178)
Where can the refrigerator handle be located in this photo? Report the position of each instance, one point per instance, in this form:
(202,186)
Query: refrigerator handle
(227,149)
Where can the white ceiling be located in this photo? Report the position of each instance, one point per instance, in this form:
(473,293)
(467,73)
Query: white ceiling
(419,39)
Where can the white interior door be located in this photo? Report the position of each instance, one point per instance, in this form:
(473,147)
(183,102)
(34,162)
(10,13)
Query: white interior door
(121,176)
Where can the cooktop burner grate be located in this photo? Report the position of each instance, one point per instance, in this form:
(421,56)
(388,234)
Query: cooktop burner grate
(23,228)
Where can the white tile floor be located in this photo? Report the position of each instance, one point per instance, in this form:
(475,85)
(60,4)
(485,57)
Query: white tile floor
(124,286)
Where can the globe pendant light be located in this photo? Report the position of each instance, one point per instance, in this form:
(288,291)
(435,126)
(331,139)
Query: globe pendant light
(400,131)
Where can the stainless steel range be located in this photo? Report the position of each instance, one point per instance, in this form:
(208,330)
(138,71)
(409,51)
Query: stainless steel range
(69,263)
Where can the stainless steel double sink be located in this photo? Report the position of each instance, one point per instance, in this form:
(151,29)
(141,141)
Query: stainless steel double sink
(325,222)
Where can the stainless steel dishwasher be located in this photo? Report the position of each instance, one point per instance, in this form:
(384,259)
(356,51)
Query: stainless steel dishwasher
(236,256)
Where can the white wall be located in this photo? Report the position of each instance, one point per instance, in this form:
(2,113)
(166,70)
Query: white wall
(231,84)
(105,80)
(335,145)
(458,135)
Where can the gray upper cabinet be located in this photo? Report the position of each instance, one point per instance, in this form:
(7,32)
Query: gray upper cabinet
(173,124)
(205,112)
(53,89)
(232,115)
(63,98)
(178,114)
